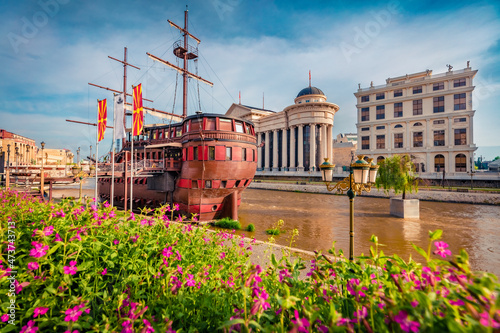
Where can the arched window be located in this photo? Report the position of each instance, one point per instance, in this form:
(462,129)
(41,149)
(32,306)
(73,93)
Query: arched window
(460,163)
(417,124)
(438,163)
(380,159)
(398,126)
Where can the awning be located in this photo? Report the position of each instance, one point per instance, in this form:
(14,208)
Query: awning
(170,144)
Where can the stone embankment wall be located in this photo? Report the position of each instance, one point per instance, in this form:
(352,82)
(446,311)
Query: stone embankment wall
(428,195)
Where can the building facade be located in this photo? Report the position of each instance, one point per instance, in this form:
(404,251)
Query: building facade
(296,139)
(427,116)
(17,149)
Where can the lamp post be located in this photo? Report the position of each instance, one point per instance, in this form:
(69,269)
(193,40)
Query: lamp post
(78,156)
(42,180)
(3,163)
(17,163)
(7,176)
(362,175)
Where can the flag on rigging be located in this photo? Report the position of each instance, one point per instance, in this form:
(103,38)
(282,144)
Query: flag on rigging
(137,118)
(118,116)
(102,119)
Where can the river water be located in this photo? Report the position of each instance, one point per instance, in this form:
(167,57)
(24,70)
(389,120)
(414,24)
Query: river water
(324,218)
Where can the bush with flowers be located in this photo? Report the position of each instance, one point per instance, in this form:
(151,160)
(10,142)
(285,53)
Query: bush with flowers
(86,267)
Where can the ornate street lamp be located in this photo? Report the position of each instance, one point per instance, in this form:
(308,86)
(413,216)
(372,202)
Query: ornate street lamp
(78,156)
(362,175)
(42,180)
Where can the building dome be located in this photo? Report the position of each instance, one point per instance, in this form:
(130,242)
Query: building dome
(310,91)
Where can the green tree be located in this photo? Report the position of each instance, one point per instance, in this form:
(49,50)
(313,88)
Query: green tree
(397,173)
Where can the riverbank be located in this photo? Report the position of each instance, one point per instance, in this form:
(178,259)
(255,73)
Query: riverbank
(444,195)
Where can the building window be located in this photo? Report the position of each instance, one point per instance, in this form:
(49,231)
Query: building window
(438,104)
(229,153)
(459,101)
(398,126)
(459,83)
(438,122)
(380,141)
(365,142)
(460,163)
(417,107)
(398,93)
(380,112)
(439,162)
(380,96)
(438,86)
(365,128)
(398,140)
(417,124)
(460,120)
(243,154)
(418,139)
(417,90)
(398,110)
(211,153)
(380,127)
(195,154)
(439,138)
(365,114)
(365,98)
(380,159)
(460,136)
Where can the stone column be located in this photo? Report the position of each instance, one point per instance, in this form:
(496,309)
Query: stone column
(322,143)
(275,151)
(300,166)
(329,145)
(292,149)
(389,146)
(312,147)
(450,142)
(266,151)
(407,142)
(470,133)
(284,145)
(259,151)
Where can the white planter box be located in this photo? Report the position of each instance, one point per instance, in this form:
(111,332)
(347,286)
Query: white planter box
(408,208)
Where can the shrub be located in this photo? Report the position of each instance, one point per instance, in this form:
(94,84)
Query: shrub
(397,173)
(88,268)
(228,223)
(273,231)
(251,227)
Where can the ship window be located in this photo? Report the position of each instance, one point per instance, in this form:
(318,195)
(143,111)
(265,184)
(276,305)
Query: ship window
(229,153)
(195,124)
(249,130)
(237,183)
(214,208)
(223,184)
(195,153)
(208,184)
(194,183)
(154,135)
(160,134)
(185,127)
(243,154)
(211,153)
(239,127)
(178,131)
(225,124)
(210,126)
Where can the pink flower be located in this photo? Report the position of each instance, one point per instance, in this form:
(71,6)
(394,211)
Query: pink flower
(58,238)
(167,252)
(260,301)
(414,303)
(40,311)
(301,323)
(406,325)
(106,204)
(179,257)
(190,282)
(29,328)
(284,274)
(72,314)
(32,265)
(360,314)
(441,249)
(112,214)
(39,250)
(105,271)
(222,255)
(5,318)
(487,321)
(458,302)
(48,231)
(149,328)
(116,242)
(71,269)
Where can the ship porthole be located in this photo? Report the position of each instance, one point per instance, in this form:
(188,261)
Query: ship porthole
(214,208)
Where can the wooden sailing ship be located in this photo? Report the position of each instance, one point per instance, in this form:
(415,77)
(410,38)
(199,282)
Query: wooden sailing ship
(202,162)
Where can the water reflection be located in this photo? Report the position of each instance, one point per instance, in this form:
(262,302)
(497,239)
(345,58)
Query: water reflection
(324,218)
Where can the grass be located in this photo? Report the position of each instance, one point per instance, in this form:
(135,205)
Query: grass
(227,223)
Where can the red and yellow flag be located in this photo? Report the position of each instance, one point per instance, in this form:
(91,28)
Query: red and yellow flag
(102,118)
(138,115)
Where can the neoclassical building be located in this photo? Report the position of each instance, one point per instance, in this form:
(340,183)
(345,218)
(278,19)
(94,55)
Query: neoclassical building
(429,116)
(296,139)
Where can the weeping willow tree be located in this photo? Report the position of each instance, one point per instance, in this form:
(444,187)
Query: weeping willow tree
(397,173)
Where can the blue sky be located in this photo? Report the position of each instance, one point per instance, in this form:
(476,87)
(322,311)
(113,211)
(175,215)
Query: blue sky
(51,49)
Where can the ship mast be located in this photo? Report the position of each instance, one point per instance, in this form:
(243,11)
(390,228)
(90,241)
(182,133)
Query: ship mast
(185,52)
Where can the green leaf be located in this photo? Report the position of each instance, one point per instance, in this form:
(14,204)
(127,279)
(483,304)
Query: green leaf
(54,248)
(435,235)
(420,251)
